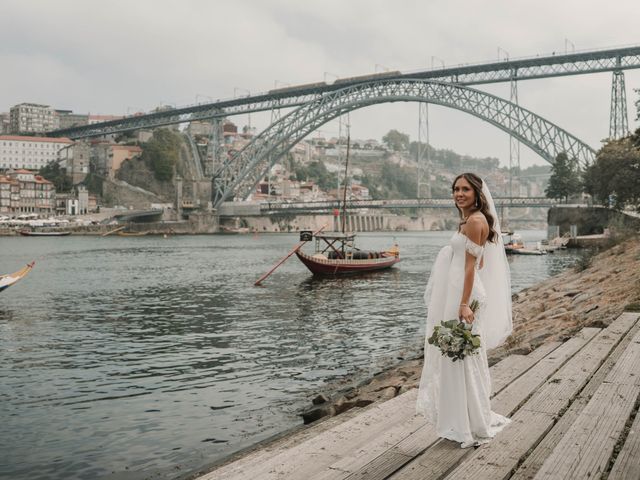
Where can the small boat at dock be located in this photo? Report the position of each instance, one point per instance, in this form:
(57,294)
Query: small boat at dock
(514,245)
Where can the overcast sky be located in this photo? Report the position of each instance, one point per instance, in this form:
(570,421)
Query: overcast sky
(119,57)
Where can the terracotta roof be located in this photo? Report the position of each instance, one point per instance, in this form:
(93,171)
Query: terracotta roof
(105,117)
(36,139)
(40,179)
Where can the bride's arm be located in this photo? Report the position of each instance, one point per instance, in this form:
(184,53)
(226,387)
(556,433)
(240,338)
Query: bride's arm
(474,231)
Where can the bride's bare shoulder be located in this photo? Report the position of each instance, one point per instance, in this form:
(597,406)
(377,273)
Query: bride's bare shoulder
(477,228)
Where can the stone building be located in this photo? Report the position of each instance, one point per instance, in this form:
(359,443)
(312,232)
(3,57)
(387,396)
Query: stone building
(68,119)
(79,161)
(32,118)
(108,157)
(5,125)
(35,193)
(200,128)
(31,153)
(9,195)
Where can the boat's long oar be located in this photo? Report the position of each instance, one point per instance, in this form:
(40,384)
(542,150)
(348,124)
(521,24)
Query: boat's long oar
(284,259)
(114,231)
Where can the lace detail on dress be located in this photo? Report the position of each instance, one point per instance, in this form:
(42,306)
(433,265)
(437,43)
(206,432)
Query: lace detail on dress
(474,249)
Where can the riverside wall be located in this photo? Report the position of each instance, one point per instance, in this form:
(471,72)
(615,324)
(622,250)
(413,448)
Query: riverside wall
(590,220)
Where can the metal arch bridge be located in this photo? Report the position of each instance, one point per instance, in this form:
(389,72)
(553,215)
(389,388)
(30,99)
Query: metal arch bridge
(240,173)
(595,61)
(267,208)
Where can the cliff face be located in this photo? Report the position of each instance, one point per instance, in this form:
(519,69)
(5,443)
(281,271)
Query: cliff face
(196,191)
(136,172)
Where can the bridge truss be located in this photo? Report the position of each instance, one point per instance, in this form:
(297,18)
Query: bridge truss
(610,60)
(239,174)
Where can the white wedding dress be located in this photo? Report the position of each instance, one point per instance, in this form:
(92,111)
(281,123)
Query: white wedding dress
(454,396)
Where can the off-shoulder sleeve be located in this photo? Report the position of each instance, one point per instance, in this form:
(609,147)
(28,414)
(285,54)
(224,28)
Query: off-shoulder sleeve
(473,248)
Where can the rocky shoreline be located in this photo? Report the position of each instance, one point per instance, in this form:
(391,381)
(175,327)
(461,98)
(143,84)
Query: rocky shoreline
(593,293)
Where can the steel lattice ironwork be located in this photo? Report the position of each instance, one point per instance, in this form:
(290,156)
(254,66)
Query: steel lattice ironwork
(239,175)
(618,123)
(474,74)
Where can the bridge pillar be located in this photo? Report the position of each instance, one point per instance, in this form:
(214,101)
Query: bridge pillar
(618,121)
(215,150)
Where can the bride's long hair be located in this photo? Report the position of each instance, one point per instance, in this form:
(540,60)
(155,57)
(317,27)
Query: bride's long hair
(481,204)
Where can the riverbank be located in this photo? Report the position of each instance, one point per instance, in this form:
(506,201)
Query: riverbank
(591,294)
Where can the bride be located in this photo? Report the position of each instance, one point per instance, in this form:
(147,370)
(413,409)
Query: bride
(454,396)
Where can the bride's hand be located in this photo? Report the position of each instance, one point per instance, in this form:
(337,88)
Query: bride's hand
(466,314)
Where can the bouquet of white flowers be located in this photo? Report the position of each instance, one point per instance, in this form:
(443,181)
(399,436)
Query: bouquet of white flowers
(454,337)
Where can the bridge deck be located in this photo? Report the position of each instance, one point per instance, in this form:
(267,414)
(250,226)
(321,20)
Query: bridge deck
(571,407)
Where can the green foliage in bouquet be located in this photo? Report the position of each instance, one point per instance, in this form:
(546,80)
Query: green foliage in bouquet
(454,337)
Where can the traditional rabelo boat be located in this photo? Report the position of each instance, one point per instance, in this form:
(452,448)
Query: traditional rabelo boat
(337,254)
(7,280)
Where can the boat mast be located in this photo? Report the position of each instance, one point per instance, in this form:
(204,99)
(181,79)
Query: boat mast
(346,168)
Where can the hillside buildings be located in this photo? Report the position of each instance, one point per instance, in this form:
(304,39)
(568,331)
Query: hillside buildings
(22,191)
(32,118)
(30,153)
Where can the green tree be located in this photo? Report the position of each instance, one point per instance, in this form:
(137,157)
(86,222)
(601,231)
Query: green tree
(316,172)
(161,153)
(396,141)
(565,178)
(58,176)
(614,178)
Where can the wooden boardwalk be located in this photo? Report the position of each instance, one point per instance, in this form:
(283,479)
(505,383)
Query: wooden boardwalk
(572,407)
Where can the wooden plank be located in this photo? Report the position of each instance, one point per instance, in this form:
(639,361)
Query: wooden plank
(445,455)
(286,440)
(585,450)
(374,458)
(560,389)
(439,459)
(412,445)
(531,377)
(510,368)
(316,453)
(370,448)
(497,459)
(535,459)
(627,465)
(511,397)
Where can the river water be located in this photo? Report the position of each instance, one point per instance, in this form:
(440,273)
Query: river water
(133,358)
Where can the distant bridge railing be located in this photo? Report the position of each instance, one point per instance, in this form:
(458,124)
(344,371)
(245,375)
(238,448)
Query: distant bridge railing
(328,206)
